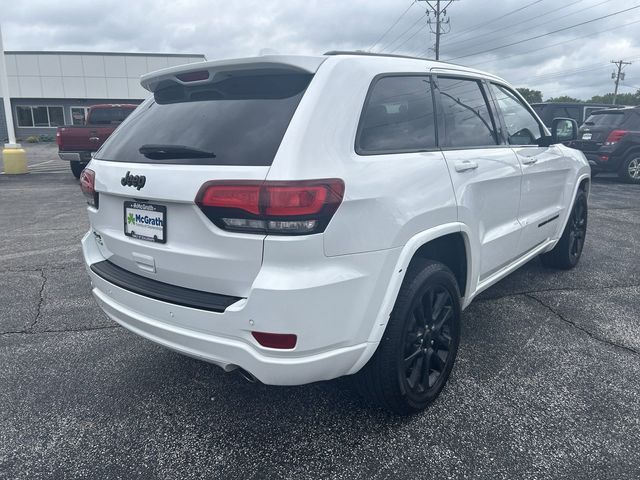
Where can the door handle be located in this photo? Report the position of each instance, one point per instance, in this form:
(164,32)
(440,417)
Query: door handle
(94,139)
(465,165)
(529,160)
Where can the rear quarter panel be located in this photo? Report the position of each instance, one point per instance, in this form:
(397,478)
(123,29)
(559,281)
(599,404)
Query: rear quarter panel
(388,198)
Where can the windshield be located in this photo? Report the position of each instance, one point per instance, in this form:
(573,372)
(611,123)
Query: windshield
(241,118)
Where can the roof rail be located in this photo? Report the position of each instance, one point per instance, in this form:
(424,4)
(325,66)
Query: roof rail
(372,54)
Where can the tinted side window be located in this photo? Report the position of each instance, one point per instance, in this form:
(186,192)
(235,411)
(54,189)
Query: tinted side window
(398,116)
(466,114)
(634,121)
(566,112)
(522,127)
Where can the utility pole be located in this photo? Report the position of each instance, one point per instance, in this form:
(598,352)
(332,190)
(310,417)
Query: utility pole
(617,76)
(440,18)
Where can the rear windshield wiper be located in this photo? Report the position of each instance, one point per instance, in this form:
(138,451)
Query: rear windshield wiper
(159,152)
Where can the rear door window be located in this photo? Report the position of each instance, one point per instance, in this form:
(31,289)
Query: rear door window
(467,118)
(398,116)
(240,118)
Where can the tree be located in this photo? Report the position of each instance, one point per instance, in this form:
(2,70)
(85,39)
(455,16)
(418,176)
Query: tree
(564,99)
(622,99)
(530,95)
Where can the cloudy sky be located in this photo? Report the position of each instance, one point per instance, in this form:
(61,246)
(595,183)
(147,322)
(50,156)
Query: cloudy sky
(574,61)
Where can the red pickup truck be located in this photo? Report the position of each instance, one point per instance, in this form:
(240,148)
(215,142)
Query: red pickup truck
(77,143)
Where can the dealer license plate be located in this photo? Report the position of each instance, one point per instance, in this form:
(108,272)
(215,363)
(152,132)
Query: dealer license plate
(145,221)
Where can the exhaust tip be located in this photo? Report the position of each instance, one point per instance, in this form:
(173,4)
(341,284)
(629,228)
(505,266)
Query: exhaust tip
(247,376)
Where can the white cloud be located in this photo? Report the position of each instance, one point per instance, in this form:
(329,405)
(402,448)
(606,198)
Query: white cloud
(227,28)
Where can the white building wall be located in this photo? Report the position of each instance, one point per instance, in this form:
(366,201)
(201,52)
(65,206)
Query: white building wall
(84,75)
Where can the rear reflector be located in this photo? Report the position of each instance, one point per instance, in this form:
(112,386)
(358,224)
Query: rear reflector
(281,208)
(615,136)
(276,340)
(87,185)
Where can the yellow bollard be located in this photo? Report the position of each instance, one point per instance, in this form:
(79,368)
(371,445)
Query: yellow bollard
(14,159)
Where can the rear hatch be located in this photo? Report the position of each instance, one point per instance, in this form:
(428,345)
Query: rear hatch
(597,128)
(220,122)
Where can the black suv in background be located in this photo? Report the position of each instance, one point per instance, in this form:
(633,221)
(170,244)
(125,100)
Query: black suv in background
(610,139)
(578,111)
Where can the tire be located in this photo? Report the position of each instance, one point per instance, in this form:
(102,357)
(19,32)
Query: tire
(423,330)
(567,252)
(630,169)
(76,168)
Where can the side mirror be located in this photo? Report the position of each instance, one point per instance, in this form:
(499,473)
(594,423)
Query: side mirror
(564,130)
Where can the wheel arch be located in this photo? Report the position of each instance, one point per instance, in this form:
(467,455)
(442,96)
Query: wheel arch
(583,183)
(421,244)
(635,150)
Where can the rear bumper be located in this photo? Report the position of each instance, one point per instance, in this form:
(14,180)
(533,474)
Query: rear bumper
(84,157)
(597,162)
(332,320)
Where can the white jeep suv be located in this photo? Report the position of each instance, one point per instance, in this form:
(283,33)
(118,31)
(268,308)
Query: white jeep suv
(300,218)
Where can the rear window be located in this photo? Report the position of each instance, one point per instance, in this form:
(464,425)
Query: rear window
(108,116)
(629,120)
(240,117)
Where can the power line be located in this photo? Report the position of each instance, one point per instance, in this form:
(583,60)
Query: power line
(482,24)
(520,23)
(392,25)
(589,35)
(569,73)
(409,38)
(545,34)
(511,26)
(382,49)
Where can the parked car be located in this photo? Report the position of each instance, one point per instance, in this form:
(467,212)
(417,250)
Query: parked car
(578,111)
(76,144)
(301,218)
(610,139)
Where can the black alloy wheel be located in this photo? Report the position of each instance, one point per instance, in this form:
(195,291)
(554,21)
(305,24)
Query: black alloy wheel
(567,252)
(578,230)
(428,341)
(418,349)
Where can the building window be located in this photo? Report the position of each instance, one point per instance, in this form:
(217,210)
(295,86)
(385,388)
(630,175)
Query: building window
(25,119)
(79,115)
(39,116)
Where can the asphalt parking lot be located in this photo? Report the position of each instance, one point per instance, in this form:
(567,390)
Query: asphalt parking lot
(547,382)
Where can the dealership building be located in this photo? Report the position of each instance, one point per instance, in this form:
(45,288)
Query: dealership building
(49,89)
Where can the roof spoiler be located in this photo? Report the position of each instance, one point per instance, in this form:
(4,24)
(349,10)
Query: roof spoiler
(300,63)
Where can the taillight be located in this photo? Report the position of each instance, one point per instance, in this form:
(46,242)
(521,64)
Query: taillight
(278,208)
(88,186)
(615,136)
